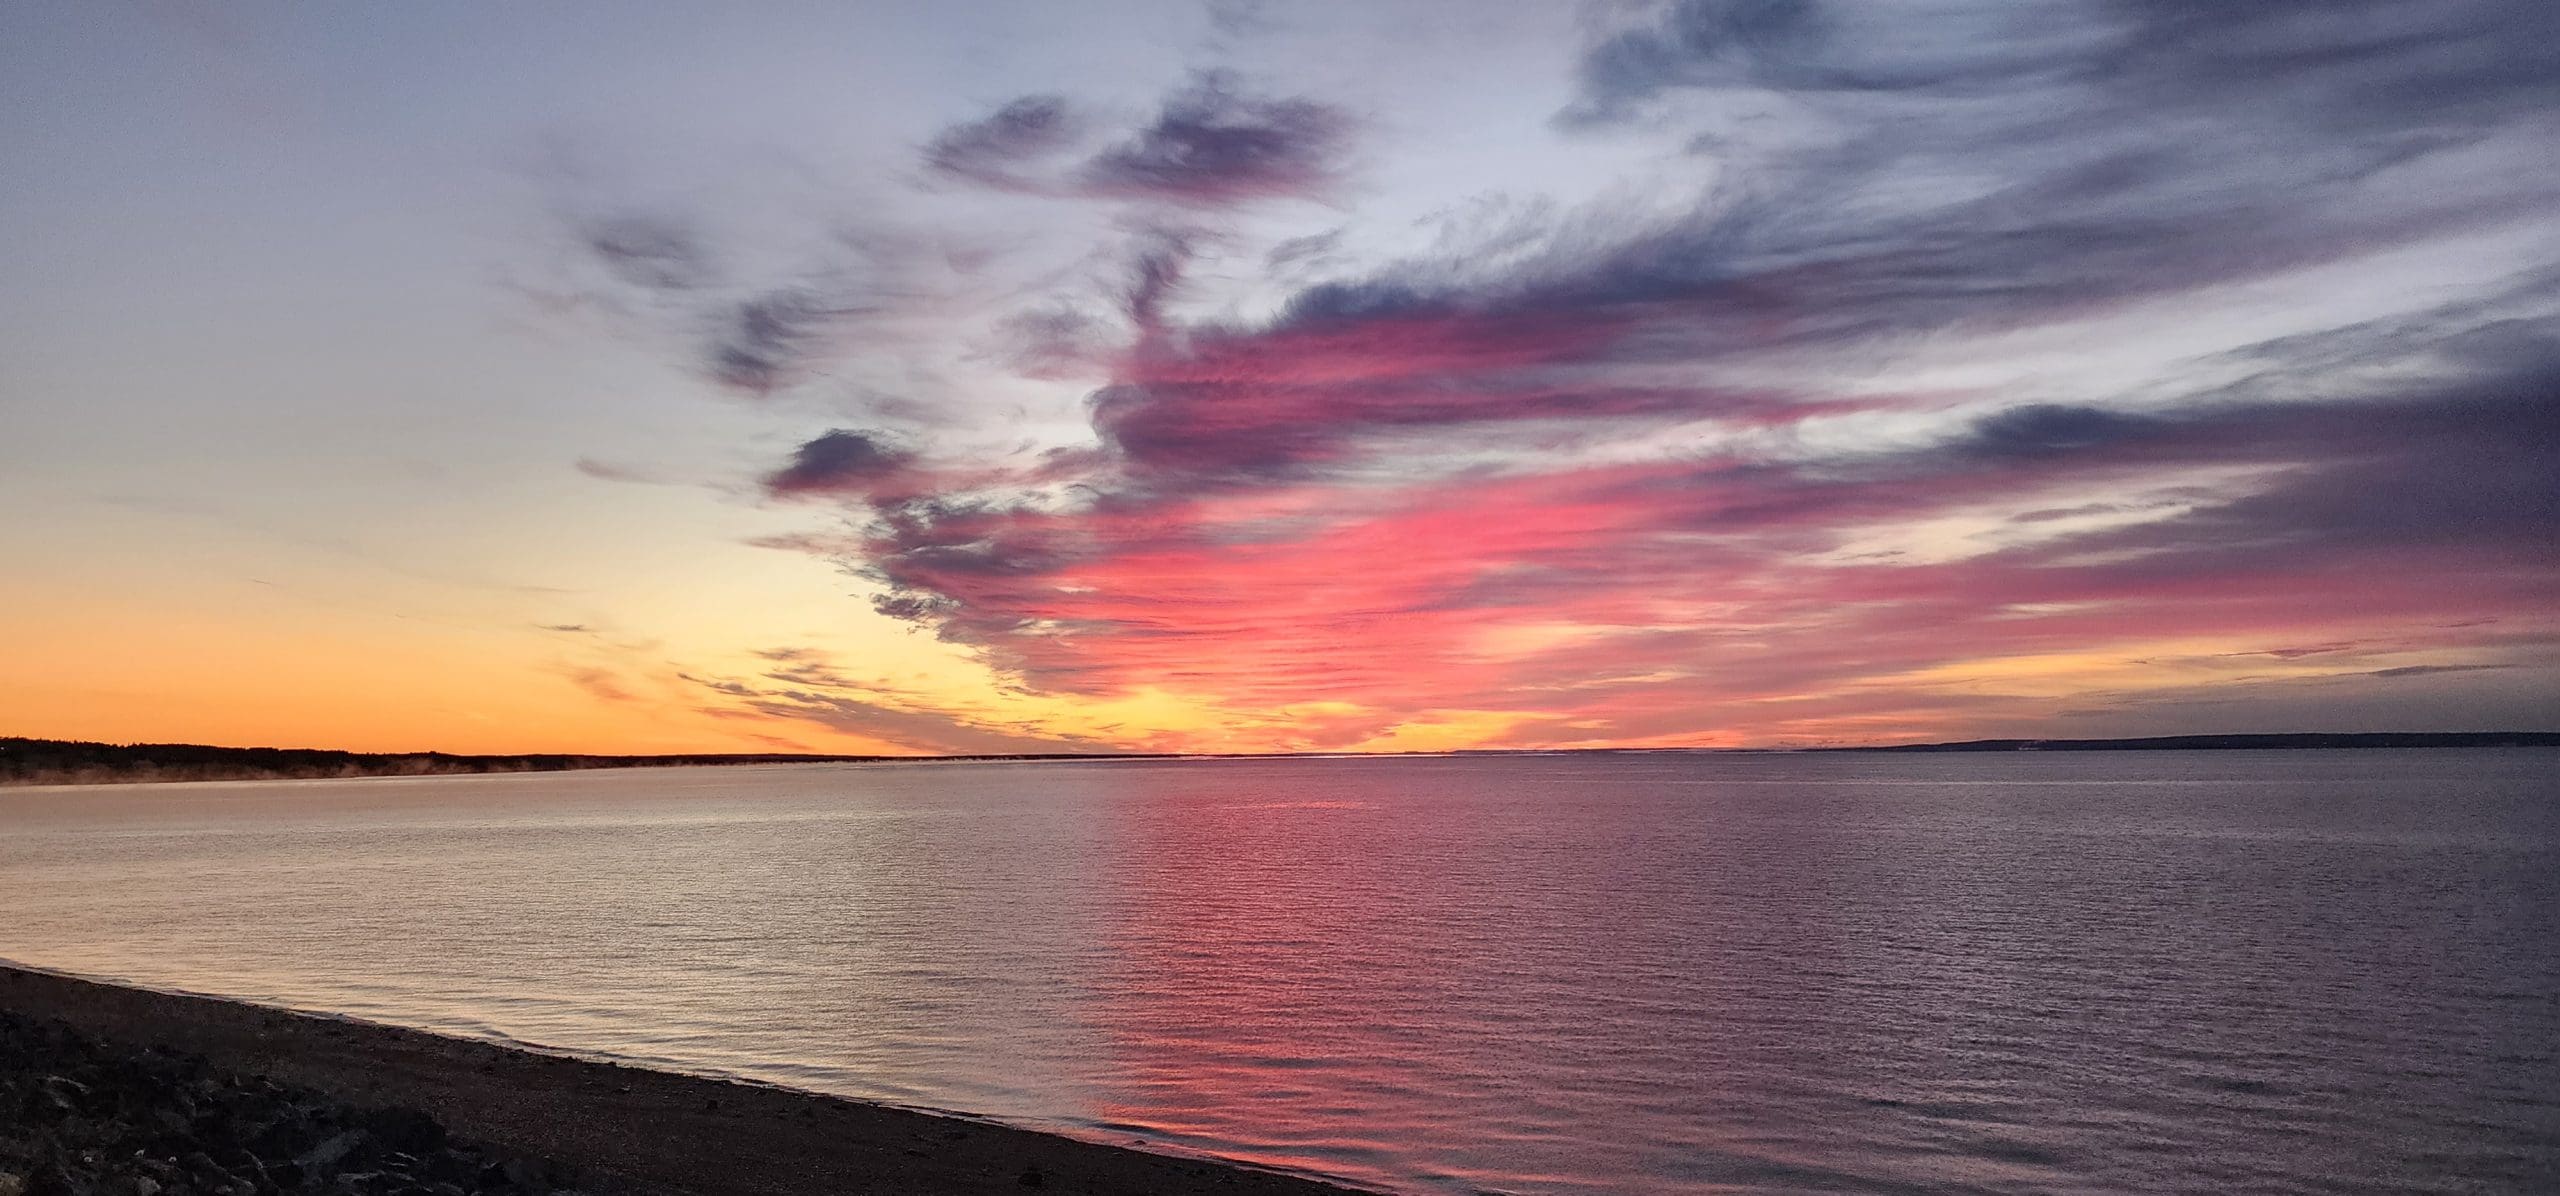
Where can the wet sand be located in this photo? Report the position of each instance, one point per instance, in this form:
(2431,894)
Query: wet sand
(591,1126)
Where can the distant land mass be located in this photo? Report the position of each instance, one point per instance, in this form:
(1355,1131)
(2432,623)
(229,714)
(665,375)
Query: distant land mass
(78,762)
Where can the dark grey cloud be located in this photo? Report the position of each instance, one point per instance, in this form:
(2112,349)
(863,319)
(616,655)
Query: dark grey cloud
(2392,61)
(994,150)
(2048,429)
(2466,470)
(2424,670)
(1304,252)
(769,341)
(845,462)
(2461,460)
(650,251)
(1212,144)
(2406,63)
(2299,651)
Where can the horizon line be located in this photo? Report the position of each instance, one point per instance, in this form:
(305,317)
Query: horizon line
(2201,740)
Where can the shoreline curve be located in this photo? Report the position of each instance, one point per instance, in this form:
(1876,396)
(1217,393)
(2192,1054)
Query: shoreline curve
(642,1128)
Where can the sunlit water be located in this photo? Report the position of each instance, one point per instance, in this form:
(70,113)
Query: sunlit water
(2033,972)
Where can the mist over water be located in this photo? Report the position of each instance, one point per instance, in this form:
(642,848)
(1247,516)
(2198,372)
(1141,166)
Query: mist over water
(2282,971)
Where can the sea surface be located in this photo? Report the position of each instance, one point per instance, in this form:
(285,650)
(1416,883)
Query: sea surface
(2048,972)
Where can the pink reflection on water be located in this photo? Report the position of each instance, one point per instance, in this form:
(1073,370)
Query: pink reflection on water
(1285,992)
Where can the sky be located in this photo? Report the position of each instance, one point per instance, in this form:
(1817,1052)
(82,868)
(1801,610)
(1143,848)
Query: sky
(1231,376)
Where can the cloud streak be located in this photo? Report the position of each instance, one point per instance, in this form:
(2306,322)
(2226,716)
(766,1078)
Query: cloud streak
(994,150)
(806,686)
(1212,143)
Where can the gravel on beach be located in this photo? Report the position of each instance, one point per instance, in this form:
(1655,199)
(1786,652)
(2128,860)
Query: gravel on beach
(81,1118)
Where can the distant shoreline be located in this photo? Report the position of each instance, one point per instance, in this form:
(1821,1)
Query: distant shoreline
(25,762)
(81,762)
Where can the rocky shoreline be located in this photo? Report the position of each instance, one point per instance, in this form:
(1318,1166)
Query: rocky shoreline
(83,1118)
(107,1090)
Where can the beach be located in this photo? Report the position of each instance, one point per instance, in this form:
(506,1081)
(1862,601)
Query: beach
(157,1087)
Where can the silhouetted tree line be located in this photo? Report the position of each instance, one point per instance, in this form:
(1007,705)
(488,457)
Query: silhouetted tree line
(73,762)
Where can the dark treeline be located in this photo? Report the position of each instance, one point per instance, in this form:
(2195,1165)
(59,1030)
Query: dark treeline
(71,762)
(74,762)
(78,762)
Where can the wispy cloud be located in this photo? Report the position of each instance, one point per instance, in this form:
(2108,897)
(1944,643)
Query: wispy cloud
(845,462)
(754,309)
(807,686)
(995,150)
(1211,143)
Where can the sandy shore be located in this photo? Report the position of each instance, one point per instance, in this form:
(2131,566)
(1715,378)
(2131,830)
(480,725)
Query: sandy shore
(526,1121)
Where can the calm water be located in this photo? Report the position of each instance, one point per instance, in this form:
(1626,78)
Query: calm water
(2025,972)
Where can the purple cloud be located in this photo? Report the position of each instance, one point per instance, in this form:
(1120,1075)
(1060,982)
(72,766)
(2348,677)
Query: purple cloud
(845,463)
(993,150)
(1211,145)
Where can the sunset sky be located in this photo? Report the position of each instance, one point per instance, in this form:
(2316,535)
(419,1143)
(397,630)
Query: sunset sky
(1231,376)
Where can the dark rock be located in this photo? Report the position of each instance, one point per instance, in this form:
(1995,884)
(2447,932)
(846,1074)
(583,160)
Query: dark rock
(1031,1178)
(405,1130)
(525,1175)
(326,1155)
(56,1177)
(449,1166)
(82,1118)
(49,1103)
